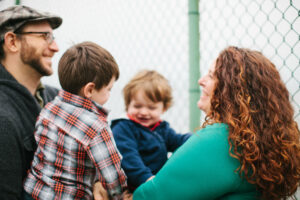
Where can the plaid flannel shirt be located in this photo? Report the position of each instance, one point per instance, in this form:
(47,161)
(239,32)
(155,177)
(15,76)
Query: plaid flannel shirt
(75,148)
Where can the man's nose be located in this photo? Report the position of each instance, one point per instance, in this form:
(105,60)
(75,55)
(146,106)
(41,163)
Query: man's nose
(53,46)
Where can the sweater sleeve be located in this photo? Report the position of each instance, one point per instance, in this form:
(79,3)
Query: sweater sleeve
(135,169)
(10,162)
(200,169)
(173,139)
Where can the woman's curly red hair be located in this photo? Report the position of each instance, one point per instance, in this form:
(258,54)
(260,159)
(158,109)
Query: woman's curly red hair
(251,98)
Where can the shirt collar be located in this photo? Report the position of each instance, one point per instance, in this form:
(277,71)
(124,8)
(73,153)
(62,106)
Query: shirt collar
(38,94)
(83,102)
(152,127)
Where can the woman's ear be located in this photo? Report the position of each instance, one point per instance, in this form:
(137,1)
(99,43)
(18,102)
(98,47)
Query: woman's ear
(87,90)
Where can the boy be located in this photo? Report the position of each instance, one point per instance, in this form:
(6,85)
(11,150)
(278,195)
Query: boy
(144,140)
(75,143)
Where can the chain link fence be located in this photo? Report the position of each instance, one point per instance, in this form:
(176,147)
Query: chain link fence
(272,27)
(139,34)
(154,35)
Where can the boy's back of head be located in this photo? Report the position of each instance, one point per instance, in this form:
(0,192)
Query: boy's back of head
(86,62)
(154,85)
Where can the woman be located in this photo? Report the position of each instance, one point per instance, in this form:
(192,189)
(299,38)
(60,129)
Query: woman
(248,147)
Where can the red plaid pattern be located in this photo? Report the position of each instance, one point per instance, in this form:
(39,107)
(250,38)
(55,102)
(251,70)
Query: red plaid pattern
(75,144)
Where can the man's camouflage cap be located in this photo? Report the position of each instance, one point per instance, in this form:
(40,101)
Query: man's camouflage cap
(15,17)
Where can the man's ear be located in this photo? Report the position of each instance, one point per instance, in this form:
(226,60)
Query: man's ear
(10,42)
(87,90)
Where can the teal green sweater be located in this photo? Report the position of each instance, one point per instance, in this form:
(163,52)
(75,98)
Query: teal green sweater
(200,169)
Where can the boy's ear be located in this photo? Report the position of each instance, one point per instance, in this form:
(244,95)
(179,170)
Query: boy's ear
(87,90)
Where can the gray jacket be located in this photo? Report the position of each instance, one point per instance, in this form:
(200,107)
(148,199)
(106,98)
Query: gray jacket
(18,113)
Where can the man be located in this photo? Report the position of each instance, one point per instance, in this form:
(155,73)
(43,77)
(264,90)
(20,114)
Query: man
(26,48)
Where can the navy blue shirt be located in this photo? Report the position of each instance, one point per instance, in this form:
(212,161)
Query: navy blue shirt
(144,151)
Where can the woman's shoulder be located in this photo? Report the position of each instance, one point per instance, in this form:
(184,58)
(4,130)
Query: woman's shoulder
(216,129)
(213,137)
(215,126)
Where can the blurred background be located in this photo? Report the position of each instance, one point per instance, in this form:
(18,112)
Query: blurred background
(180,39)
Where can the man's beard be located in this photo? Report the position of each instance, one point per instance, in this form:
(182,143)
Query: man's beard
(30,57)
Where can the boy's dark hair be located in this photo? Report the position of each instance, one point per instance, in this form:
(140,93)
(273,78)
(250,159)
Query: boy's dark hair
(86,62)
(154,85)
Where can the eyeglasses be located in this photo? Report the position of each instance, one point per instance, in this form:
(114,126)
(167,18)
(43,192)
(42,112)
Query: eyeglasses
(48,36)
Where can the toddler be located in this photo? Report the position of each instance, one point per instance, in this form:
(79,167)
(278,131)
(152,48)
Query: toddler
(144,139)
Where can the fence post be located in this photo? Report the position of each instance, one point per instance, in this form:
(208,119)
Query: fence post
(194,59)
